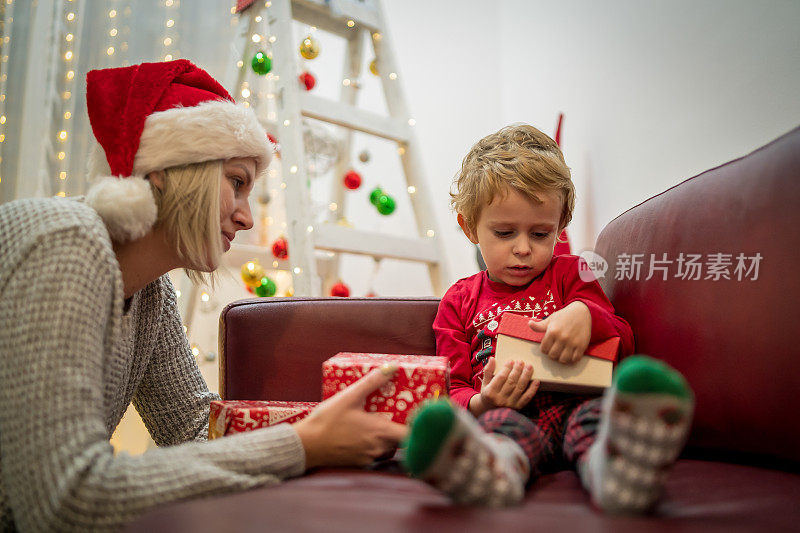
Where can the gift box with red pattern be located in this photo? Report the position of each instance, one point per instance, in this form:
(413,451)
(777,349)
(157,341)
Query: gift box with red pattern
(236,416)
(418,378)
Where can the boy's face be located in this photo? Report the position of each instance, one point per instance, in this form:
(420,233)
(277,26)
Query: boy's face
(516,235)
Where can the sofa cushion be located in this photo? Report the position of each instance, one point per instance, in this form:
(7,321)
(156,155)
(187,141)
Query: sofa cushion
(735,341)
(700,496)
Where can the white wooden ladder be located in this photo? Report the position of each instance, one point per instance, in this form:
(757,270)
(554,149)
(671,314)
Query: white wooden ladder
(348,19)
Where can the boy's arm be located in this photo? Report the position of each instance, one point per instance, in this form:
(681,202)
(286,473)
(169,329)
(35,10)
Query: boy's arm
(452,342)
(605,322)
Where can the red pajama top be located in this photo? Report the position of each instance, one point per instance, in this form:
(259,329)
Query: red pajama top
(469,313)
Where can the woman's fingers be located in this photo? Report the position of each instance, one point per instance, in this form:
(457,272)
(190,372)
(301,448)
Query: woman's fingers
(356,394)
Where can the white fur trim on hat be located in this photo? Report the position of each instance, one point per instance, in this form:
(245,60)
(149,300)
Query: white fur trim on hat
(213,130)
(126,205)
(217,129)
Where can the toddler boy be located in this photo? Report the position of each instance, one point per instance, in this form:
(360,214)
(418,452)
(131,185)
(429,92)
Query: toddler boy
(514,196)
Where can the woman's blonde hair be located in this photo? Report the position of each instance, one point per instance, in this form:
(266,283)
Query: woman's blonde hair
(518,156)
(188,209)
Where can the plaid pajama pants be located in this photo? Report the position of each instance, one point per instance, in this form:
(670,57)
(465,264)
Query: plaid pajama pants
(554,430)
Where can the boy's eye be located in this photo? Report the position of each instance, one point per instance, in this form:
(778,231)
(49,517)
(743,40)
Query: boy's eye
(541,234)
(503,234)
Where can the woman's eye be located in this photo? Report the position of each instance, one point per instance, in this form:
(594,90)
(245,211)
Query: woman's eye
(237,182)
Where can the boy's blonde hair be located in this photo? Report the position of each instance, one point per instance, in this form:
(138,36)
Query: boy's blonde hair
(188,209)
(518,156)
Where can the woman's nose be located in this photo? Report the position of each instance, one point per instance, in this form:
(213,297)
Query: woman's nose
(242,216)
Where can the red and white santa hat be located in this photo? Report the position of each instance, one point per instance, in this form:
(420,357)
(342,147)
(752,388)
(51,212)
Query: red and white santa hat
(154,116)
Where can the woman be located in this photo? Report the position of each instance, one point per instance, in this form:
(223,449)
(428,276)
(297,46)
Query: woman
(89,322)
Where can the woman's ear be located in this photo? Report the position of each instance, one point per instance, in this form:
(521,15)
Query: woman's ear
(473,238)
(157,178)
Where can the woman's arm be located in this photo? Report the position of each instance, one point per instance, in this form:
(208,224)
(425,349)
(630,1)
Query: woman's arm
(59,471)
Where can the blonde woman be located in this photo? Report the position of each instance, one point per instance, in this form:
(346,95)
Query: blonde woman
(89,323)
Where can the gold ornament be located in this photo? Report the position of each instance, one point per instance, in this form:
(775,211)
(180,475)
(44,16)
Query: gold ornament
(252,272)
(309,48)
(373,66)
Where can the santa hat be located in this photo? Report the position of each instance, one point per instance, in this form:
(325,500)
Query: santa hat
(154,116)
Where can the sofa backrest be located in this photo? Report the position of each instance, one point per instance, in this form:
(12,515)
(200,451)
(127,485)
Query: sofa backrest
(735,340)
(273,348)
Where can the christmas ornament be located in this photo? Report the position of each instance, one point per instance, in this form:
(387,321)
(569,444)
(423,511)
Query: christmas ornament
(250,289)
(307,79)
(322,148)
(252,272)
(375,195)
(309,48)
(352,180)
(276,147)
(363,156)
(385,204)
(266,288)
(280,248)
(340,289)
(261,63)
(373,66)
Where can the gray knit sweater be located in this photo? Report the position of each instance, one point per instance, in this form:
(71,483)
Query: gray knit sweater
(70,363)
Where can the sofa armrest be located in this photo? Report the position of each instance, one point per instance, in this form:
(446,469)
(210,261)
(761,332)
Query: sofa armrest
(734,340)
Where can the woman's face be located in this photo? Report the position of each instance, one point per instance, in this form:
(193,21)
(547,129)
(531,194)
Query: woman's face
(238,175)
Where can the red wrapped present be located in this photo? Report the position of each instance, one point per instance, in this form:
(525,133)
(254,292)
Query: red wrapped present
(592,373)
(236,416)
(419,377)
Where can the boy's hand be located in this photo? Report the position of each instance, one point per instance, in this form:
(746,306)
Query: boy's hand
(566,332)
(510,387)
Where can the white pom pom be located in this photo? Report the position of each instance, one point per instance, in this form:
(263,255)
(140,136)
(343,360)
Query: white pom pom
(126,205)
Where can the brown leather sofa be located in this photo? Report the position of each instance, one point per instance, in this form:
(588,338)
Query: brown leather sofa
(735,341)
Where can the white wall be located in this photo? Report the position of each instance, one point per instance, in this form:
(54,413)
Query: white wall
(653,92)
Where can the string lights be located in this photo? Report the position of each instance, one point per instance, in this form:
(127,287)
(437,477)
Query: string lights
(69,60)
(169,43)
(6,20)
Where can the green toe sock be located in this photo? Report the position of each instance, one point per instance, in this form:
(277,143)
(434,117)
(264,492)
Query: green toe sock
(429,430)
(643,374)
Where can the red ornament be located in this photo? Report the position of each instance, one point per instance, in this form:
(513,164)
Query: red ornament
(280,248)
(352,180)
(307,79)
(275,146)
(340,289)
(250,289)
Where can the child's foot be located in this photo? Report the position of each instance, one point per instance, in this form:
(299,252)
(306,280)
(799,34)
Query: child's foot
(448,449)
(644,425)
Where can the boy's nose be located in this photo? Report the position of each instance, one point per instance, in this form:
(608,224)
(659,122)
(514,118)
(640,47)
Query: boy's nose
(521,246)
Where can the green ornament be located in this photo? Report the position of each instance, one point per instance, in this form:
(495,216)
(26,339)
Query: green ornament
(375,195)
(385,205)
(267,287)
(261,63)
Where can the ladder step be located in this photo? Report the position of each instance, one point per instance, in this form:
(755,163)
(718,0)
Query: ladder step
(352,117)
(332,15)
(341,239)
(241,253)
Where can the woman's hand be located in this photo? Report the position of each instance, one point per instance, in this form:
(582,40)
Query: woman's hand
(510,387)
(566,332)
(340,433)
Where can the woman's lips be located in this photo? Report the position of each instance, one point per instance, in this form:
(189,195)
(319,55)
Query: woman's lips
(226,241)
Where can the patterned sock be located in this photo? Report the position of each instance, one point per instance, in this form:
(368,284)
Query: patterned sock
(448,449)
(643,427)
